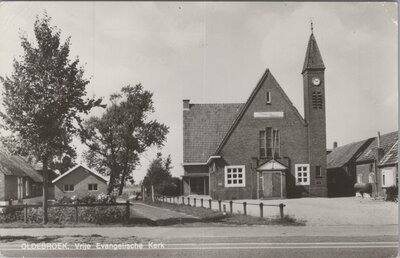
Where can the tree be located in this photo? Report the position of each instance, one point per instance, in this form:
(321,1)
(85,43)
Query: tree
(158,177)
(118,137)
(44,98)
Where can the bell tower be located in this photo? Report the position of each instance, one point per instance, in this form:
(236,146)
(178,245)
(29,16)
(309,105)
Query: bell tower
(314,113)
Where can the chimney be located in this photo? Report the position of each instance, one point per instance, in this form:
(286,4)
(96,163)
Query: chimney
(379,139)
(186,104)
(379,149)
(335,145)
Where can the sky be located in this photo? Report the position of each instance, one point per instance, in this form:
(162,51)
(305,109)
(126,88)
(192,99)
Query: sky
(217,52)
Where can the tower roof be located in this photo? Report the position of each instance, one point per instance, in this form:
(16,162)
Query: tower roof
(313,56)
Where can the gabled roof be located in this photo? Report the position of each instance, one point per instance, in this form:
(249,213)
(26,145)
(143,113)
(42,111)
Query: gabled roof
(391,157)
(313,58)
(86,168)
(14,165)
(343,154)
(386,142)
(249,101)
(272,165)
(204,127)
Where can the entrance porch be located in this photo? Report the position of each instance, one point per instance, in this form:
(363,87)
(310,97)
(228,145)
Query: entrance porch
(271,180)
(195,184)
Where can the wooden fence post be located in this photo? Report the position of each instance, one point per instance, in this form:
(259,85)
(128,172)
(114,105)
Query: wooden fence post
(183,200)
(281,210)
(219,205)
(194,203)
(231,206)
(201,200)
(261,210)
(244,208)
(128,210)
(209,203)
(26,213)
(76,213)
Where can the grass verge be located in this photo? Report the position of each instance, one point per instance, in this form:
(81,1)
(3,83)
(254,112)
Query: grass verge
(208,215)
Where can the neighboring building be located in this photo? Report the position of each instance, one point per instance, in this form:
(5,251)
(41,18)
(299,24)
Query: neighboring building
(79,181)
(342,168)
(262,148)
(18,179)
(388,168)
(376,166)
(51,176)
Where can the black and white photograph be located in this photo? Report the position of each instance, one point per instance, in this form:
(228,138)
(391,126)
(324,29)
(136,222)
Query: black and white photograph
(199,129)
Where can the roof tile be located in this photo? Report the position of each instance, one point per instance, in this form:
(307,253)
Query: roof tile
(204,127)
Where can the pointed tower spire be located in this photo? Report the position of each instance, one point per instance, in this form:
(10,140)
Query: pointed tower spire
(313,56)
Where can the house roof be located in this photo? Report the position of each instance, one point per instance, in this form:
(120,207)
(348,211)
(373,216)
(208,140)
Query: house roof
(204,127)
(50,173)
(14,165)
(313,58)
(249,101)
(86,168)
(386,142)
(343,154)
(391,157)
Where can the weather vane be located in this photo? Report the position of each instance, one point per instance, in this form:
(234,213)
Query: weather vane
(312,26)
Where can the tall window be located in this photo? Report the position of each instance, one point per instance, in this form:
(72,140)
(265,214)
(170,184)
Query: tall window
(263,144)
(302,174)
(317,102)
(269,143)
(27,190)
(234,176)
(318,172)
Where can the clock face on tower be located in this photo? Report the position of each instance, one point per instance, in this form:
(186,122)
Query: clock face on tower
(316,81)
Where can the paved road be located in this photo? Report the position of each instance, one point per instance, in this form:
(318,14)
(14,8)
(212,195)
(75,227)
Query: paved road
(334,247)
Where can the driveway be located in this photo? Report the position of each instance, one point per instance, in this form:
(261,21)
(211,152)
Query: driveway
(152,213)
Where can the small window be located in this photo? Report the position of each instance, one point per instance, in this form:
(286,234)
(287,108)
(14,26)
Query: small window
(302,174)
(235,176)
(318,172)
(388,178)
(92,187)
(268,97)
(68,188)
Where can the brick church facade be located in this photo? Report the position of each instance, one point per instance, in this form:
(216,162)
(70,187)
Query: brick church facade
(262,148)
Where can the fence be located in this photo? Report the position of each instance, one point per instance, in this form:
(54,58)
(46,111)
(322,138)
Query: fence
(234,206)
(26,207)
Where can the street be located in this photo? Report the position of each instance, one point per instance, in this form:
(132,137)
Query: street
(374,247)
(240,241)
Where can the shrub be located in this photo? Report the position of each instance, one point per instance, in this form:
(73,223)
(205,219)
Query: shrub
(87,199)
(62,215)
(11,214)
(392,193)
(102,214)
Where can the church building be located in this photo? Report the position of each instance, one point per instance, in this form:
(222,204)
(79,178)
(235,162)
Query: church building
(262,148)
